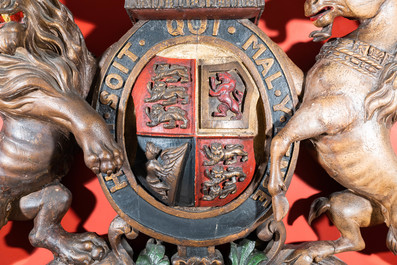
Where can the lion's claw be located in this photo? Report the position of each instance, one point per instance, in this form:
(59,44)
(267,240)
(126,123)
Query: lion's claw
(103,156)
(69,248)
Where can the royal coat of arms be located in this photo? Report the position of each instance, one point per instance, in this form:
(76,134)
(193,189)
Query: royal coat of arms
(195,104)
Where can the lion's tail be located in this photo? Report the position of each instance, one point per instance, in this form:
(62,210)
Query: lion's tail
(238,95)
(318,207)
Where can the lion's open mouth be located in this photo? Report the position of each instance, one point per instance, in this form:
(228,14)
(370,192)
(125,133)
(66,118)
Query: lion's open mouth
(321,13)
(17,17)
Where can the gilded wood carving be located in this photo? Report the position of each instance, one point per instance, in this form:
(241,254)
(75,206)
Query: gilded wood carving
(45,74)
(348,108)
(196,129)
(190,103)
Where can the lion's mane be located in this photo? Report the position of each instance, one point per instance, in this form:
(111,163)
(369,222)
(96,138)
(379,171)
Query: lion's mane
(54,59)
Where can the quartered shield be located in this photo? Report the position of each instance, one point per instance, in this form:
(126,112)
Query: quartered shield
(191,156)
(195,105)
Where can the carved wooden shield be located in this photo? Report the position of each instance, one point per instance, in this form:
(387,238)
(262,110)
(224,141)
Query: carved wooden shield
(194,104)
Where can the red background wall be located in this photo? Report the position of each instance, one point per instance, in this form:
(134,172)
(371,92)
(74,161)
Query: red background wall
(104,22)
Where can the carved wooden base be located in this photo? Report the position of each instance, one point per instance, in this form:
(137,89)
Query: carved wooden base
(271,232)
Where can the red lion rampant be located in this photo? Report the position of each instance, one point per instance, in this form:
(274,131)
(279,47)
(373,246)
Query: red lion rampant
(226,92)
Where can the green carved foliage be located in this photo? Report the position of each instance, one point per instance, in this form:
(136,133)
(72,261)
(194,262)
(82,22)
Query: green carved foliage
(245,253)
(153,254)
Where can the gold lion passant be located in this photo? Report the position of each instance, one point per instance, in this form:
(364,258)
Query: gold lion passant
(45,74)
(349,106)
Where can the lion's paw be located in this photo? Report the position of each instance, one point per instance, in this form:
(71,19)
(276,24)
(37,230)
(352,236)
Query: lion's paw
(105,157)
(84,248)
